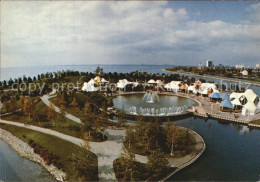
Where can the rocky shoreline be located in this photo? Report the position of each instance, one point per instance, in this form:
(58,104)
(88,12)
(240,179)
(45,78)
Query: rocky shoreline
(24,150)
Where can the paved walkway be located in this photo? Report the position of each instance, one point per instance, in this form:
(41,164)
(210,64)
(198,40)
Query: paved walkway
(45,100)
(106,151)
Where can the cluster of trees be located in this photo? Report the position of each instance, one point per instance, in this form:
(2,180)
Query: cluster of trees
(152,136)
(154,141)
(94,120)
(83,162)
(77,100)
(128,169)
(55,77)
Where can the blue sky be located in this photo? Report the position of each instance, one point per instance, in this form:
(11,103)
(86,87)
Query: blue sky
(181,33)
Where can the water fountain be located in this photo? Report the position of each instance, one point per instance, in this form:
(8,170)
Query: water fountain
(150,97)
(163,111)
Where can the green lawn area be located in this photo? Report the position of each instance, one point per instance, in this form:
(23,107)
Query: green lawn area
(181,151)
(142,172)
(65,126)
(256,122)
(55,145)
(76,112)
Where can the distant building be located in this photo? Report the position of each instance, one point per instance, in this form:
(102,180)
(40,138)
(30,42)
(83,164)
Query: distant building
(200,66)
(240,66)
(258,65)
(209,63)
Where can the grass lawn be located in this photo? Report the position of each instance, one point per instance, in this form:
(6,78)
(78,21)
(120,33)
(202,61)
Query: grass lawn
(256,122)
(142,173)
(55,145)
(183,149)
(76,112)
(65,126)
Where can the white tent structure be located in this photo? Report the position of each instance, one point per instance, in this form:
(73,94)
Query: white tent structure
(151,81)
(89,86)
(192,89)
(249,109)
(250,95)
(103,80)
(122,83)
(204,87)
(173,85)
(208,85)
(248,100)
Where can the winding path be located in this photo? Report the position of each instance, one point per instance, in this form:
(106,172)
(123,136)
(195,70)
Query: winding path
(106,151)
(45,100)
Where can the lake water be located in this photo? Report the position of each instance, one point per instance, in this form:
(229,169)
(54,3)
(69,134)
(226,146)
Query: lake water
(232,153)
(15,168)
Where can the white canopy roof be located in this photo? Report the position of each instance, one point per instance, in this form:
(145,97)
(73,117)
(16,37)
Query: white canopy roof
(250,106)
(92,81)
(89,87)
(174,85)
(103,80)
(122,83)
(250,95)
(191,88)
(208,85)
(235,95)
(236,102)
(151,81)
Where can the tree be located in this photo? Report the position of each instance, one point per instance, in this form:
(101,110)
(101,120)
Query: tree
(128,164)
(172,136)
(87,109)
(36,115)
(60,99)
(62,113)
(51,112)
(140,127)
(11,106)
(28,107)
(121,117)
(82,163)
(157,162)
(74,103)
(149,136)
(129,136)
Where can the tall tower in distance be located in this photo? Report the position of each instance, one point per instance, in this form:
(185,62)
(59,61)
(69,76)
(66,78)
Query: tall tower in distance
(209,64)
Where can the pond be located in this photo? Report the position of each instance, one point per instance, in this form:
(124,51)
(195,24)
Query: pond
(153,105)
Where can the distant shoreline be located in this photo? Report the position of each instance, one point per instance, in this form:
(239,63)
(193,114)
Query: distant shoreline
(216,77)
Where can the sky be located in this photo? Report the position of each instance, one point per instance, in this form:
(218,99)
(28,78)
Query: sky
(135,32)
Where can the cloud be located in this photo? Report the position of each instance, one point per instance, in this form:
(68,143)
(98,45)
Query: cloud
(254,11)
(119,32)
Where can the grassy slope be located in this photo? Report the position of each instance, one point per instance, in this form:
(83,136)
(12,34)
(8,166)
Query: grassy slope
(55,145)
(256,122)
(67,127)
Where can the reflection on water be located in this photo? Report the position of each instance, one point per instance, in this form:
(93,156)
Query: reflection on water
(15,168)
